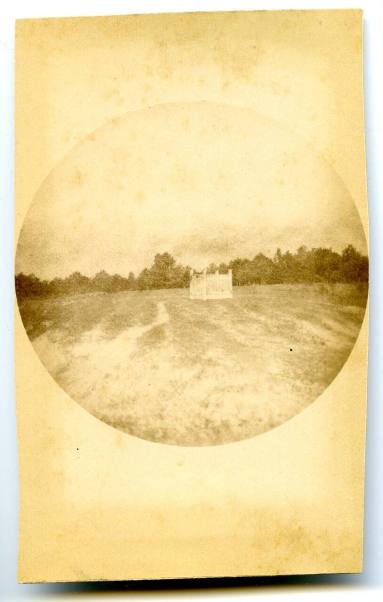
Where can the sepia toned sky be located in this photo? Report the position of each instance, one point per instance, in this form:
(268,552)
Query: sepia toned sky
(203,181)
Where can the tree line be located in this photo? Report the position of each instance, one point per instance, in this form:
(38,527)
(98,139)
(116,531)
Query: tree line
(305,265)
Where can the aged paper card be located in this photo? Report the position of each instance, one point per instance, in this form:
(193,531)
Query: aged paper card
(191,289)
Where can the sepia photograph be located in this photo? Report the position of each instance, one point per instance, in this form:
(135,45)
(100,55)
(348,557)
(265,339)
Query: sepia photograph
(191,269)
(193,274)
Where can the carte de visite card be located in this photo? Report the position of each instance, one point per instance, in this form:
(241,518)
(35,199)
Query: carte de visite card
(191,272)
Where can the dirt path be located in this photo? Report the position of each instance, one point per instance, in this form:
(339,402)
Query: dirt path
(162,367)
(104,354)
(122,346)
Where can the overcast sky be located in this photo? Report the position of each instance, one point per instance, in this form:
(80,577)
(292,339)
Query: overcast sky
(204,182)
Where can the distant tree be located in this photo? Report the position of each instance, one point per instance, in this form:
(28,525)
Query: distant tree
(212,268)
(262,269)
(325,264)
(305,265)
(28,285)
(118,283)
(353,266)
(76,283)
(164,273)
(102,282)
(131,282)
(144,281)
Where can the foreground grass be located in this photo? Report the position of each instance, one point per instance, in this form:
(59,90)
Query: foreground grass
(165,368)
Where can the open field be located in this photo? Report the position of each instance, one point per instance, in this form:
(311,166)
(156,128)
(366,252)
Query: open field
(165,368)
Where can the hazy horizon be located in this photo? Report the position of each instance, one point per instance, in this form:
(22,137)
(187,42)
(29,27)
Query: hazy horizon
(196,267)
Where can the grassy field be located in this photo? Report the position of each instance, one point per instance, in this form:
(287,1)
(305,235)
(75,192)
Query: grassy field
(162,367)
